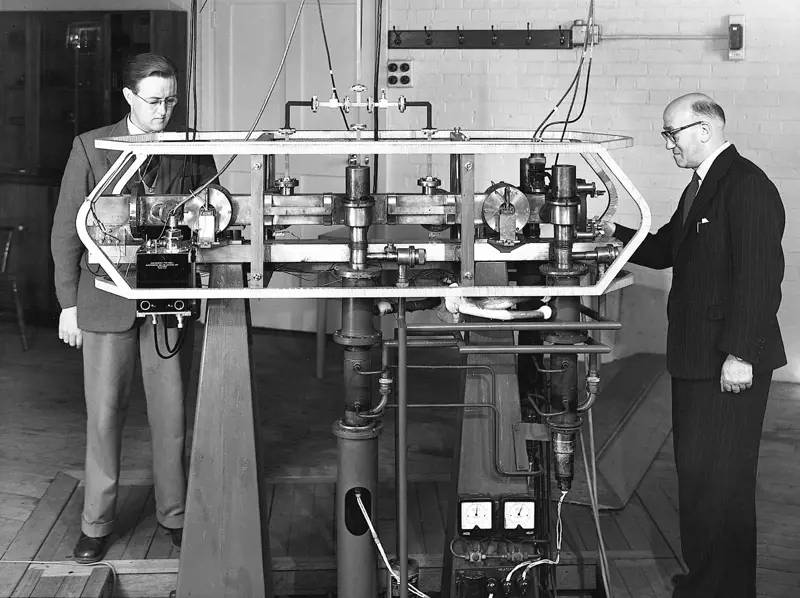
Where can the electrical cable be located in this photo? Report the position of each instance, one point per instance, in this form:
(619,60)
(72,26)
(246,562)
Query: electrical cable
(227,164)
(382,552)
(591,483)
(375,114)
(171,352)
(590,21)
(330,64)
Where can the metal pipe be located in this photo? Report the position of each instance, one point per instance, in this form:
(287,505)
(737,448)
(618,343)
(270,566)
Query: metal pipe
(603,324)
(402,449)
(491,405)
(287,111)
(427,343)
(621,36)
(428,112)
(542,350)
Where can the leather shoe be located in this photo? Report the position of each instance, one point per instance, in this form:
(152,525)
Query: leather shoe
(175,534)
(90,550)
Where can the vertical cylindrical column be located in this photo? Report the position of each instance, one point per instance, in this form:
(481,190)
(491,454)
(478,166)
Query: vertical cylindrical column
(402,448)
(357,444)
(356,479)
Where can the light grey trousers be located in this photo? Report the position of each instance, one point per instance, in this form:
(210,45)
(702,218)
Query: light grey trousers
(109,364)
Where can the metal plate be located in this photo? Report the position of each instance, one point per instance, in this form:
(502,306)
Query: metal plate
(496,196)
(218,197)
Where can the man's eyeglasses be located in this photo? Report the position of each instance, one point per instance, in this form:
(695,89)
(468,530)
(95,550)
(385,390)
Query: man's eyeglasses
(169,102)
(669,134)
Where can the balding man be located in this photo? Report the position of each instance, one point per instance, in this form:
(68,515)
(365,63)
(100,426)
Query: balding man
(723,342)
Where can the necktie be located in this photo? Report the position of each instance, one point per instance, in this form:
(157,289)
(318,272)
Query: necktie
(691,192)
(149,172)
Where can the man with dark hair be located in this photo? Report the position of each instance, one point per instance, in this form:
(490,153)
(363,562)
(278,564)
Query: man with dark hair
(723,342)
(105,325)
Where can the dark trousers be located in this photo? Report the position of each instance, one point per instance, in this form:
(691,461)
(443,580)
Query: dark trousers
(717,436)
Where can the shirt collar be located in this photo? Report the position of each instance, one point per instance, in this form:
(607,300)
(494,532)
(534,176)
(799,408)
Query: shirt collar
(703,169)
(132,128)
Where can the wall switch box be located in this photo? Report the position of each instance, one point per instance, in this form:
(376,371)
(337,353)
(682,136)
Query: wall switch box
(736,37)
(400,73)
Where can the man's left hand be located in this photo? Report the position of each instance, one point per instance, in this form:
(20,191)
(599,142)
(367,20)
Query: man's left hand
(736,375)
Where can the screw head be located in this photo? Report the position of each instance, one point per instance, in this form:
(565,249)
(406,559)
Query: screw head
(468,166)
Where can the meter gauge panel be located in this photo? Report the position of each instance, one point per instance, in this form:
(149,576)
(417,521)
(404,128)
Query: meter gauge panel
(518,516)
(476,517)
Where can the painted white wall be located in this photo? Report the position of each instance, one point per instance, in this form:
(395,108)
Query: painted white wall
(632,81)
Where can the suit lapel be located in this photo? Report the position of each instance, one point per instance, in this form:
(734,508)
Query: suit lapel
(707,191)
(118,130)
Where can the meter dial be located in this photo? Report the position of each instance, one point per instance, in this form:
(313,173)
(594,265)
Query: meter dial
(476,517)
(519,514)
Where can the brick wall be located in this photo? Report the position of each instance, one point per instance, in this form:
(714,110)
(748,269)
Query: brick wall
(632,81)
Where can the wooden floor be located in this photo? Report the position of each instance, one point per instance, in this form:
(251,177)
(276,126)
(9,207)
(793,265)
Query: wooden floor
(41,454)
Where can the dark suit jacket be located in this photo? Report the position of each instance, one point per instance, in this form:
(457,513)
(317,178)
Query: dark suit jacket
(727,272)
(100,311)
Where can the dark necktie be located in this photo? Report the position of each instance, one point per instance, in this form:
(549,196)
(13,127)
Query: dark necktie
(149,171)
(691,193)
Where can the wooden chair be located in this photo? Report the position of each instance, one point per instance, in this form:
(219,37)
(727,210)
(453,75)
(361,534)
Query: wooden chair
(8,279)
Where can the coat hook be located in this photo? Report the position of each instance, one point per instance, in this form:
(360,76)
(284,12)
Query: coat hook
(561,35)
(428,38)
(528,36)
(494,36)
(397,40)
(460,36)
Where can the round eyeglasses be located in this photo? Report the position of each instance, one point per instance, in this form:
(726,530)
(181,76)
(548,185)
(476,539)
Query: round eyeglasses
(168,102)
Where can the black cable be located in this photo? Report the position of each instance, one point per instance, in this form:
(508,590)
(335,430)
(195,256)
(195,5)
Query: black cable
(583,107)
(330,63)
(170,352)
(375,121)
(566,93)
(569,113)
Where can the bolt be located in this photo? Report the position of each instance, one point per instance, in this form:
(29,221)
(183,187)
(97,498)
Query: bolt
(256,276)
(468,165)
(257,166)
(468,275)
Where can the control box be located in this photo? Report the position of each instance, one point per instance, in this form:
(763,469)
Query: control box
(400,73)
(160,269)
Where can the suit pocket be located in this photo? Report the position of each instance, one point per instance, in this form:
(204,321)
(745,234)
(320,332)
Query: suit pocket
(715,312)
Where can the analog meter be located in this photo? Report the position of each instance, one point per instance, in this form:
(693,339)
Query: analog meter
(518,516)
(475,517)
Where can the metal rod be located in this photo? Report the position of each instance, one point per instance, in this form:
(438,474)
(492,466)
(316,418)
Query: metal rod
(661,36)
(602,324)
(427,343)
(402,449)
(539,350)
(428,112)
(598,315)
(495,429)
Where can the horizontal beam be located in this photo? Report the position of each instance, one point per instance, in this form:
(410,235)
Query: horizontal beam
(480,39)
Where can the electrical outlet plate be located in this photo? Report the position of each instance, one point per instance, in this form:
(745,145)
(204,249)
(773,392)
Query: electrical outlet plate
(400,73)
(736,45)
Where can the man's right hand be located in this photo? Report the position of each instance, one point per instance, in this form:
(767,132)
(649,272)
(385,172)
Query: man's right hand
(68,330)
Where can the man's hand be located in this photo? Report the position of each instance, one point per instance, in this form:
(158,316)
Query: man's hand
(609,228)
(736,375)
(68,330)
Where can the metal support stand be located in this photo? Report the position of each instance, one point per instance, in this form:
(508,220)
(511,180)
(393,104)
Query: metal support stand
(225,550)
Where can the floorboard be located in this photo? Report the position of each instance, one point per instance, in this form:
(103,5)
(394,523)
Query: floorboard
(41,504)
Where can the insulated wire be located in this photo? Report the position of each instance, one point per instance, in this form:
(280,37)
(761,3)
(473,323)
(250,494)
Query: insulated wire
(591,483)
(375,117)
(574,82)
(330,64)
(227,164)
(382,552)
